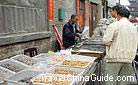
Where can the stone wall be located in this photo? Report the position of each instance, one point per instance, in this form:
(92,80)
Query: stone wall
(30,16)
(7,51)
(23,24)
(23,16)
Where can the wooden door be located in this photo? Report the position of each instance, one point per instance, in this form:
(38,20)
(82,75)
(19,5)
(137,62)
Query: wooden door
(93,17)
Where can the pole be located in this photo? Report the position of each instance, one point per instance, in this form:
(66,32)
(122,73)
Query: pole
(78,7)
(119,1)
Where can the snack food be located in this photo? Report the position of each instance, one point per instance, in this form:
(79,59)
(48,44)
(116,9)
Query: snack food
(4,73)
(26,60)
(66,72)
(50,80)
(56,58)
(11,67)
(26,80)
(75,63)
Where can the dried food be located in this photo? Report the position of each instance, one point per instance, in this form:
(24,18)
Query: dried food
(94,47)
(66,72)
(11,67)
(26,60)
(49,80)
(4,73)
(26,80)
(75,63)
(56,58)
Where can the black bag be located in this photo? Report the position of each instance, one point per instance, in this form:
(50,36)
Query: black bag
(135,66)
(136,58)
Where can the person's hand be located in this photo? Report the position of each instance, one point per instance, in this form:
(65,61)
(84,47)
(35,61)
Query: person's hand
(78,35)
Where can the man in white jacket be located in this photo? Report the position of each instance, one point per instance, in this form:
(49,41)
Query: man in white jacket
(121,39)
(103,23)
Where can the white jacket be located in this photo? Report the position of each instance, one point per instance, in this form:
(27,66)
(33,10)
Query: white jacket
(121,39)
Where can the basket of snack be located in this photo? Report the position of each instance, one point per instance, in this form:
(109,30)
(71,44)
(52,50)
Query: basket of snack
(75,63)
(12,65)
(67,70)
(52,79)
(79,61)
(55,58)
(42,56)
(4,73)
(22,78)
(81,58)
(42,66)
(25,59)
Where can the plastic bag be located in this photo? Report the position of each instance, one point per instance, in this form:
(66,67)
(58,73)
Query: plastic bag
(40,66)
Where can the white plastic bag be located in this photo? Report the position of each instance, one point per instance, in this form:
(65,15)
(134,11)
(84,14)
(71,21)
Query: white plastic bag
(85,33)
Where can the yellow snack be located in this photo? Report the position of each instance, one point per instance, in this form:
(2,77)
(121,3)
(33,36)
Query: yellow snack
(66,72)
(52,80)
(75,63)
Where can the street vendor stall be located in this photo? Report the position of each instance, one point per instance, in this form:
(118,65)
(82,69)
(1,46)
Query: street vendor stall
(93,47)
(37,69)
(76,63)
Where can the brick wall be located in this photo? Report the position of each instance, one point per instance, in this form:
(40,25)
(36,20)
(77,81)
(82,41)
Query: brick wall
(7,51)
(23,17)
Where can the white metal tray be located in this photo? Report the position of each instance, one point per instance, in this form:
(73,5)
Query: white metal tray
(82,67)
(44,77)
(4,73)
(12,65)
(78,71)
(50,57)
(42,56)
(22,78)
(25,59)
(81,58)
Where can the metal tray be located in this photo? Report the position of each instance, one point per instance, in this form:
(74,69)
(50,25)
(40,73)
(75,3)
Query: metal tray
(78,71)
(81,58)
(12,65)
(22,78)
(25,59)
(4,73)
(54,58)
(42,56)
(93,43)
(99,48)
(83,67)
(45,76)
